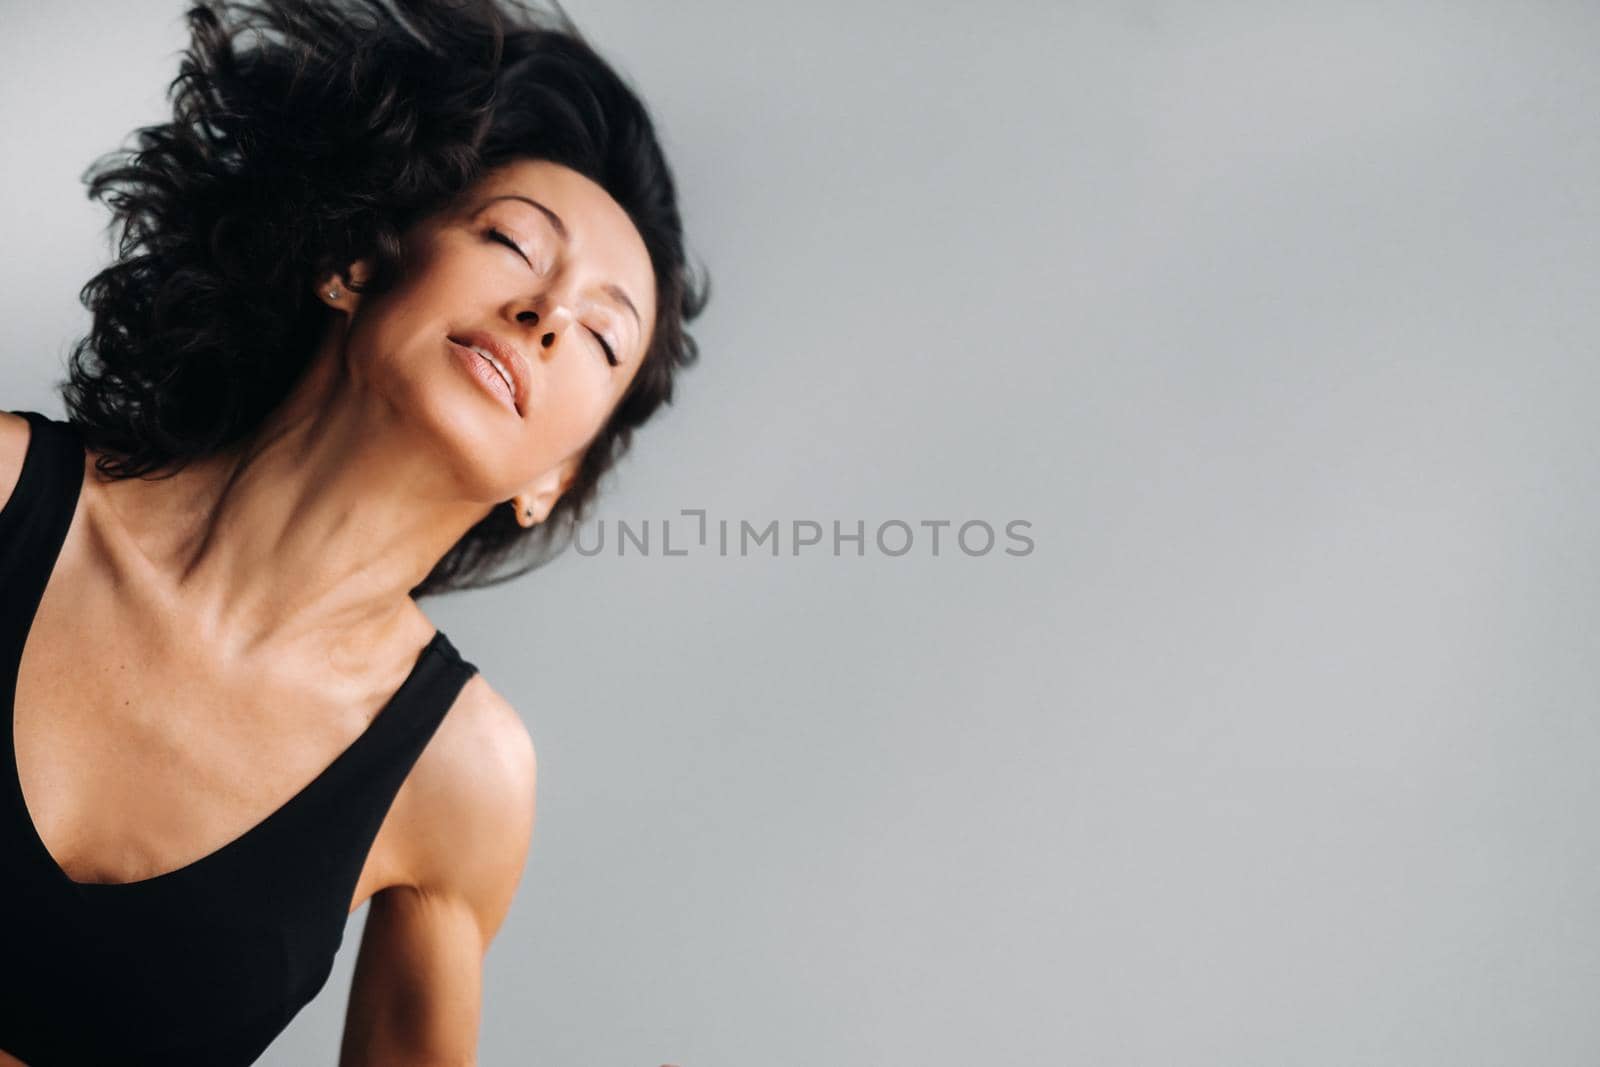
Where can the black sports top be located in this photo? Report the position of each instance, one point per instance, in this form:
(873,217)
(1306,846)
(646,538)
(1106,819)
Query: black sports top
(205,964)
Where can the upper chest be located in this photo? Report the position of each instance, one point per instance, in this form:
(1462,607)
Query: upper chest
(140,748)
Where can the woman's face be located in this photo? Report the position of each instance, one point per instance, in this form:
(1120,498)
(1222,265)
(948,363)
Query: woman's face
(539,264)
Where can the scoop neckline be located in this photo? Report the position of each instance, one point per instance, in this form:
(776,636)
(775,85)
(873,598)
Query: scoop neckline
(299,799)
(436,647)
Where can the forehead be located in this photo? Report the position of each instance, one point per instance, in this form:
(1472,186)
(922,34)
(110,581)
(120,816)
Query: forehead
(600,235)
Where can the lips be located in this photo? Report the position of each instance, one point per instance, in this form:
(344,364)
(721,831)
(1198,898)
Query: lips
(506,358)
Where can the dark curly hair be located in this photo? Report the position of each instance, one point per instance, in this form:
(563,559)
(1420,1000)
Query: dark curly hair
(307,134)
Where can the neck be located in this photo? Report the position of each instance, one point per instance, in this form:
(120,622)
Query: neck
(316,527)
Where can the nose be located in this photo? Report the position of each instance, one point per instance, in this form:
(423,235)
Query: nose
(549,320)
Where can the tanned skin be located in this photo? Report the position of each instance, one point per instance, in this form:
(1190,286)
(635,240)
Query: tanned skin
(210,641)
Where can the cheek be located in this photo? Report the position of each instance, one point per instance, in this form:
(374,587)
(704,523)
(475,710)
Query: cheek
(572,404)
(412,312)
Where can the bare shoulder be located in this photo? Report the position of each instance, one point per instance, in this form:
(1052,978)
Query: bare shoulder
(14,434)
(469,806)
(482,748)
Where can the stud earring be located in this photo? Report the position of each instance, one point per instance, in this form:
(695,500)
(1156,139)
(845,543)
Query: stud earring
(333,294)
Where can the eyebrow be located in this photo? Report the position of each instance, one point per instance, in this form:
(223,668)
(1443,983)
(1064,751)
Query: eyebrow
(615,291)
(555,220)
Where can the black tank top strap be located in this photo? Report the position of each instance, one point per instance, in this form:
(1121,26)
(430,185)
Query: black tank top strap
(340,812)
(35,519)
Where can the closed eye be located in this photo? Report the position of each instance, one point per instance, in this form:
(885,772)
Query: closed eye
(496,235)
(611,357)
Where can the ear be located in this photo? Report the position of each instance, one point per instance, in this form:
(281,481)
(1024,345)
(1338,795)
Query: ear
(333,287)
(540,498)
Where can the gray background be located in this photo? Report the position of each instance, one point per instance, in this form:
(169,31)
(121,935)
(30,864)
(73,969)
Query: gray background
(1277,322)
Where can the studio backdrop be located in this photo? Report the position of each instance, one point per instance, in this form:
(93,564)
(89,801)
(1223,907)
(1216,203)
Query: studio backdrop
(1119,586)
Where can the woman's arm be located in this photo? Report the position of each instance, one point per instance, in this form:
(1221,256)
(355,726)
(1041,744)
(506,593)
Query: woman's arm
(417,992)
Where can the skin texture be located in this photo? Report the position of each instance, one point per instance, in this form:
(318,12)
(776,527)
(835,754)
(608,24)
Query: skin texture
(208,642)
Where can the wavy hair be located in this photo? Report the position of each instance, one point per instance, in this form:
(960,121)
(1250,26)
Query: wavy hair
(306,134)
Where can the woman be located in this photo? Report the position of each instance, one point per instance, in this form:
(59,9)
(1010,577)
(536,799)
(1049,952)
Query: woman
(393,291)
